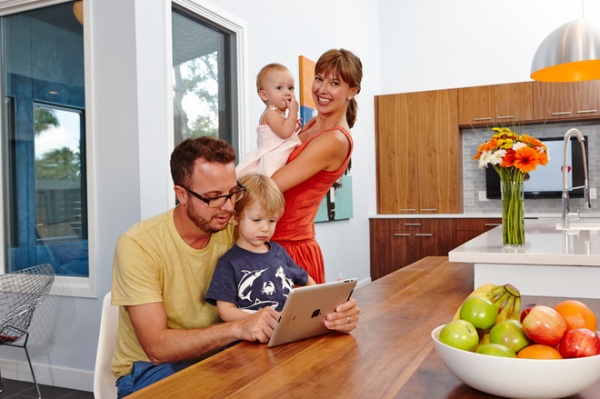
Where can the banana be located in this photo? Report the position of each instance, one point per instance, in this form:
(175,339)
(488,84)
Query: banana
(506,297)
(488,290)
(516,313)
(506,310)
(485,339)
(484,291)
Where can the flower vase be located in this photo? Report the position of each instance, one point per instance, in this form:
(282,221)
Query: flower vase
(513,218)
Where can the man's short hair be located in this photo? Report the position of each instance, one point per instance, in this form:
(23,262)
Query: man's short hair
(188,151)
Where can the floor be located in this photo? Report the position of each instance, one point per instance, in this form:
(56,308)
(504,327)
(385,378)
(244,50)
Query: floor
(26,390)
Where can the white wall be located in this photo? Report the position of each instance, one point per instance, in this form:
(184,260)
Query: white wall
(436,44)
(406,46)
(280,33)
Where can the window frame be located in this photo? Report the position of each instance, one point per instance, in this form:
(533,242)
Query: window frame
(239,54)
(63,285)
(86,287)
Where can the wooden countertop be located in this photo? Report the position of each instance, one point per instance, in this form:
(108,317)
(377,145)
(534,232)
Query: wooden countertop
(389,355)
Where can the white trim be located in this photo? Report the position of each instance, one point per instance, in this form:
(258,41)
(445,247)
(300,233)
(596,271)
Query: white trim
(13,6)
(45,374)
(239,28)
(89,288)
(67,286)
(170,137)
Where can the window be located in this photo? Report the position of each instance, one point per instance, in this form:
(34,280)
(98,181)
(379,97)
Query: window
(43,146)
(206,76)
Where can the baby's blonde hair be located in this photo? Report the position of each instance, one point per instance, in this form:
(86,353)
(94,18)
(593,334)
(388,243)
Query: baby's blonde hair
(261,189)
(260,78)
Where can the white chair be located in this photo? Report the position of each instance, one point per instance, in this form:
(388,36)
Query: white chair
(104,380)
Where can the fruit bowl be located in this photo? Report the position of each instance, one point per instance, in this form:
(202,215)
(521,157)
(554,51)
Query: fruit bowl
(519,378)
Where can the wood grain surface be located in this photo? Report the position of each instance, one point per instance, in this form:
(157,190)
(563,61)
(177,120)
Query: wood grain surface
(389,355)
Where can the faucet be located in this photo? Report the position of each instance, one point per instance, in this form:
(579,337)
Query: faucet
(565,170)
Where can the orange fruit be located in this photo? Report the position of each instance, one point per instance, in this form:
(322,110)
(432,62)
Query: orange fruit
(538,351)
(577,314)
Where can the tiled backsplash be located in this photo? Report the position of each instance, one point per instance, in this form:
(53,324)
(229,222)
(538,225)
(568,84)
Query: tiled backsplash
(474,178)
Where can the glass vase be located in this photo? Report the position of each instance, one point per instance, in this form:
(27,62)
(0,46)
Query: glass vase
(513,218)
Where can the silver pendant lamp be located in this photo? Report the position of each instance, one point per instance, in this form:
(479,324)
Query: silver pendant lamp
(571,53)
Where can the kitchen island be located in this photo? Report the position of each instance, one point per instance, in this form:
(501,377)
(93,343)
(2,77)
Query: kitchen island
(389,355)
(552,262)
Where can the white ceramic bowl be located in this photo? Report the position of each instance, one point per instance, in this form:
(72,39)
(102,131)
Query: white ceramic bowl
(519,378)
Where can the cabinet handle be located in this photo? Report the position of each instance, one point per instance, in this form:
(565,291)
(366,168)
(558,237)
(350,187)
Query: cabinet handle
(412,224)
(561,113)
(487,118)
(423,235)
(429,210)
(506,117)
(401,234)
(493,224)
(587,111)
(407,209)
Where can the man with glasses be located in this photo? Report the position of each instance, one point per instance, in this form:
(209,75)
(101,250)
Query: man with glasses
(163,266)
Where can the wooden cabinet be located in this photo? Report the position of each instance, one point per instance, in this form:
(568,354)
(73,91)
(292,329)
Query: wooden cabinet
(468,228)
(500,105)
(398,242)
(418,153)
(563,101)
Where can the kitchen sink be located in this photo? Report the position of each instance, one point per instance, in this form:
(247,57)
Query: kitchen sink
(580,224)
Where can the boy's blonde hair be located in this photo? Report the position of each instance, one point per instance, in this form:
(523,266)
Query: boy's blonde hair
(262,189)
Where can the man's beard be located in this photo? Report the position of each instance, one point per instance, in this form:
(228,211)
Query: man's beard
(201,223)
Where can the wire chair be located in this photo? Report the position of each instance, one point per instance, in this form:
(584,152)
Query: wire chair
(20,292)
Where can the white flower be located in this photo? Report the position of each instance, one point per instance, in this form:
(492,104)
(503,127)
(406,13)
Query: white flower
(518,145)
(496,157)
(484,159)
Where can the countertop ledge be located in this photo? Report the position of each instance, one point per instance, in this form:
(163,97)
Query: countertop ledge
(458,215)
(474,215)
(544,245)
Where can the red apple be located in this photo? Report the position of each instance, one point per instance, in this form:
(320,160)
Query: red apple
(579,342)
(524,313)
(544,325)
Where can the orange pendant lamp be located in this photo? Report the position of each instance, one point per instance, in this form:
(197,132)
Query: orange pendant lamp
(571,53)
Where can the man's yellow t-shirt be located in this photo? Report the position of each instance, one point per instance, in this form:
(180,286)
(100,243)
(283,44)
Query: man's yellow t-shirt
(152,264)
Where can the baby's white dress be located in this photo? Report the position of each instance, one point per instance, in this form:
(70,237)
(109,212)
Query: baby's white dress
(272,153)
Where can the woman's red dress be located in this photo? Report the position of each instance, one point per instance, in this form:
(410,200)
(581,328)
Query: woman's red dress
(295,230)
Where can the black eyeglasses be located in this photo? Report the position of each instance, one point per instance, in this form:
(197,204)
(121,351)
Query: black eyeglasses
(219,200)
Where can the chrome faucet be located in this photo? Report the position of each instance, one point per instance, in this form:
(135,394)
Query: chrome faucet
(565,170)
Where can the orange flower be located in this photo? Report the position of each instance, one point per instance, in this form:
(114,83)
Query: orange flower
(543,157)
(508,153)
(526,159)
(508,160)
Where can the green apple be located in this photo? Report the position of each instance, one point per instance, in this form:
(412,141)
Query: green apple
(481,312)
(460,334)
(496,350)
(510,334)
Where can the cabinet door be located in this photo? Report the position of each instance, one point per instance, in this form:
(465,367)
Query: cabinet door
(513,103)
(501,105)
(396,154)
(564,101)
(475,105)
(435,237)
(391,247)
(439,160)
(468,228)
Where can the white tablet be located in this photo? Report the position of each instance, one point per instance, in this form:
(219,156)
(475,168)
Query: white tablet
(304,312)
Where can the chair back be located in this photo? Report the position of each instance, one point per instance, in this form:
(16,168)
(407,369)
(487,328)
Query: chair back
(20,293)
(104,380)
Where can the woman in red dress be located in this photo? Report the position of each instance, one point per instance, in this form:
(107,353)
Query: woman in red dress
(321,159)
